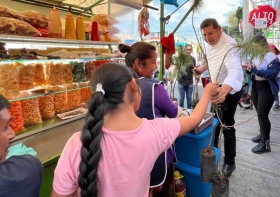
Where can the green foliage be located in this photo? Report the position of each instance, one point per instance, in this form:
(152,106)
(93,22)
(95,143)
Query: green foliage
(249,49)
(239,13)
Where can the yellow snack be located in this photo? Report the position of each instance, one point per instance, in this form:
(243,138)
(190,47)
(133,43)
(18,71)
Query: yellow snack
(26,76)
(9,80)
(39,75)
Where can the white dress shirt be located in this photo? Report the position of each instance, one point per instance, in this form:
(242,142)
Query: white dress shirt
(231,72)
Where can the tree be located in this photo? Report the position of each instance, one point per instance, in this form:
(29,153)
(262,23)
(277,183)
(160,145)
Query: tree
(239,13)
(233,29)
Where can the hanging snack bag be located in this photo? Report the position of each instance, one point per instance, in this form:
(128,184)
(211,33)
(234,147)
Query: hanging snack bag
(54,25)
(55,73)
(73,96)
(26,76)
(89,68)
(68,73)
(8,12)
(104,19)
(60,99)
(30,111)
(36,19)
(39,75)
(17,123)
(46,106)
(9,81)
(78,71)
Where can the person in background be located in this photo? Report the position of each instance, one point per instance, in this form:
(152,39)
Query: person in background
(276,51)
(230,77)
(205,77)
(264,92)
(19,175)
(114,154)
(141,57)
(185,80)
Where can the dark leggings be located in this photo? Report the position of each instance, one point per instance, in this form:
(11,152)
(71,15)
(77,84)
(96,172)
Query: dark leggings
(263,100)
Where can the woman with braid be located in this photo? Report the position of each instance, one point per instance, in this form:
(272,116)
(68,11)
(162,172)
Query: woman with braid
(114,154)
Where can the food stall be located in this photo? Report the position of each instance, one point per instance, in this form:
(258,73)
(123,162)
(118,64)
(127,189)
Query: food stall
(45,68)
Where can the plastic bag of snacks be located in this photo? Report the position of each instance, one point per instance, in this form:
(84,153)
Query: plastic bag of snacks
(73,96)
(68,73)
(39,75)
(89,67)
(9,80)
(30,111)
(17,123)
(46,106)
(35,19)
(16,27)
(84,92)
(78,71)
(108,28)
(26,75)
(105,19)
(60,99)
(8,12)
(55,73)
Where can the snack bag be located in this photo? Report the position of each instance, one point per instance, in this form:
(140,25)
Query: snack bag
(46,106)
(9,81)
(30,111)
(17,123)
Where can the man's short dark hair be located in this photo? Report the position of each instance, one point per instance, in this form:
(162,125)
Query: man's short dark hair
(4,103)
(208,22)
(188,45)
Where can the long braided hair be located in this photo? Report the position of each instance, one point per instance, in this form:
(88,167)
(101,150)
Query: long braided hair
(114,78)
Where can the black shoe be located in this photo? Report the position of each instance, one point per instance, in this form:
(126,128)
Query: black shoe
(262,147)
(256,139)
(227,169)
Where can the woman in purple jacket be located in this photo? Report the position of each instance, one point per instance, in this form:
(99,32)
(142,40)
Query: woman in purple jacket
(141,57)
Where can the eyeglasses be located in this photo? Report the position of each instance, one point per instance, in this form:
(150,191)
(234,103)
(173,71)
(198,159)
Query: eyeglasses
(188,49)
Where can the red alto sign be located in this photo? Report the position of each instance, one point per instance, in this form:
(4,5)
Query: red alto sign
(263,12)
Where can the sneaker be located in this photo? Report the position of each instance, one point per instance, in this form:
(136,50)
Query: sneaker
(276,107)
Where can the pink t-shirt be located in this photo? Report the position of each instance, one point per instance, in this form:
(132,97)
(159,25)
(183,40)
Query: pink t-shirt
(126,162)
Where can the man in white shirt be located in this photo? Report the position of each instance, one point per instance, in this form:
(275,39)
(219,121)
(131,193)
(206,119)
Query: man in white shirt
(230,77)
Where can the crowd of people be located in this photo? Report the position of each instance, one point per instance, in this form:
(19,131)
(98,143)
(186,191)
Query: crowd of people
(112,156)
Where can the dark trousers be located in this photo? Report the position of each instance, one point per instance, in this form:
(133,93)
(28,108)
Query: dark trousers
(226,113)
(263,100)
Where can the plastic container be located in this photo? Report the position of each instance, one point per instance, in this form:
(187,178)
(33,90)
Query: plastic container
(207,121)
(188,147)
(195,187)
(179,185)
(95,32)
(80,28)
(70,32)
(55,26)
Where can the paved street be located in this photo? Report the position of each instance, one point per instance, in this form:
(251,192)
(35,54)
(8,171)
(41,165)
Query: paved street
(256,175)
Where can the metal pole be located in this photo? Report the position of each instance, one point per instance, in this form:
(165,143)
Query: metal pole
(248,30)
(162,33)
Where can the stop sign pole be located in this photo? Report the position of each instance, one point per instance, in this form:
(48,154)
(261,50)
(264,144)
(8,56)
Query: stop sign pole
(262,17)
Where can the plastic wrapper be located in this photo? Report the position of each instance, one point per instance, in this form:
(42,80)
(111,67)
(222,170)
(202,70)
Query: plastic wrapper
(55,73)
(87,27)
(17,123)
(8,12)
(46,106)
(9,81)
(60,99)
(35,19)
(26,76)
(78,71)
(109,38)
(97,63)
(16,27)
(30,111)
(68,73)
(105,19)
(73,97)
(89,67)
(39,75)
(108,28)
(84,92)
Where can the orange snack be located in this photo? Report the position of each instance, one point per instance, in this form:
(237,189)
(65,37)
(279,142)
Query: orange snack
(60,99)
(84,92)
(39,75)
(26,76)
(46,106)
(68,73)
(30,111)
(55,73)
(9,80)
(73,97)
(17,124)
